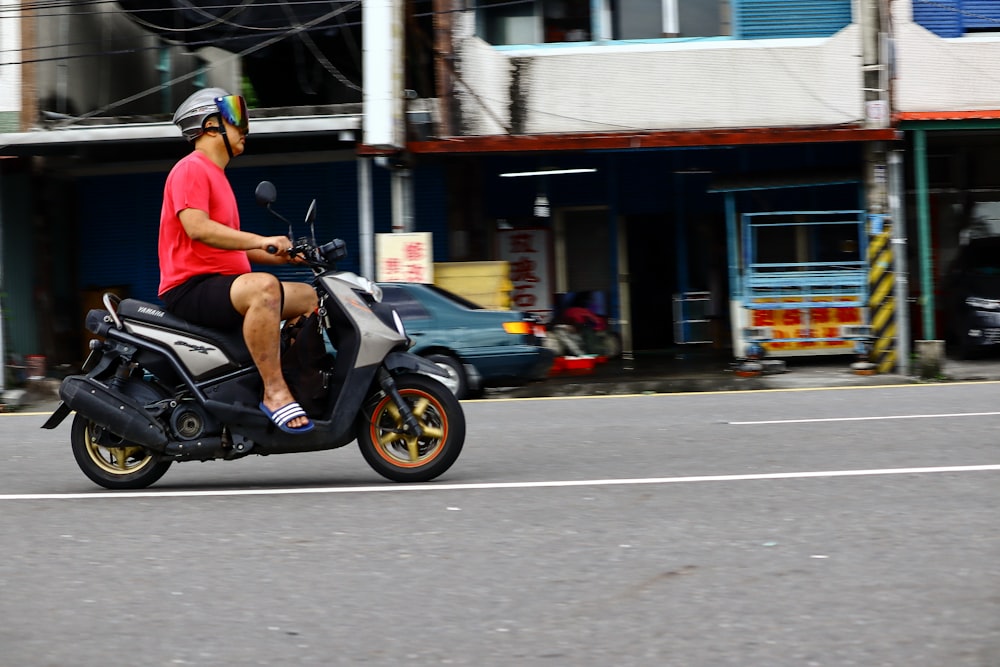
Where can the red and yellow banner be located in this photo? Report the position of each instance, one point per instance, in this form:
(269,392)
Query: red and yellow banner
(807,323)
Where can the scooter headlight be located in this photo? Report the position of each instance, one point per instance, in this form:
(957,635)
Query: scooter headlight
(376,292)
(368,287)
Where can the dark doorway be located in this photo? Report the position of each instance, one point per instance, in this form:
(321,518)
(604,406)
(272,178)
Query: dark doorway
(652,280)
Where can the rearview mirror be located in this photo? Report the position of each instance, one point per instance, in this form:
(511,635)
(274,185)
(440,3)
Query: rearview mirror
(265,193)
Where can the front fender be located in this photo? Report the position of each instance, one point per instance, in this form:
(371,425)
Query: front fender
(398,362)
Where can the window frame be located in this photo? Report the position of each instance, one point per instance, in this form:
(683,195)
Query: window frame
(602,24)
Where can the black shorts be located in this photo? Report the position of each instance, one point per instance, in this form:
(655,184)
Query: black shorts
(204,300)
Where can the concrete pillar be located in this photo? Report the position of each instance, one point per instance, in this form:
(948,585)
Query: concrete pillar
(930,358)
(29,71)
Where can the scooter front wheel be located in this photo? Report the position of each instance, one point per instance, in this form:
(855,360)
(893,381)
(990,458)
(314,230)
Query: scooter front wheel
(401,456)
(121,465)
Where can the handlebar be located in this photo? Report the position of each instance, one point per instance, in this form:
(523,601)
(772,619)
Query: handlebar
(321,257)
(318,257)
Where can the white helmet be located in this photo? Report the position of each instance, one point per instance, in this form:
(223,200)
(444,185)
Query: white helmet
(191,115)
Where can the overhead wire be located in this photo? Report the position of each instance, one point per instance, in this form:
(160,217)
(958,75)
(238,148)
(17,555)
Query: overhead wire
(320,57)
(137,49)
(133,16)
(341,23)
(300,30)
(36,7)
(197,72)
(222,19)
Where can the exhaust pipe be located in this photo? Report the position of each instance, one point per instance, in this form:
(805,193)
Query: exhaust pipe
(113,410)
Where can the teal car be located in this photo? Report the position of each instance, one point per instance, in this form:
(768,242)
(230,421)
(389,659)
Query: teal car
(478,348)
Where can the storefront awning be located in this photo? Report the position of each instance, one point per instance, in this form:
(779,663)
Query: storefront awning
(980,119)
(29,143)
(981,114)
(640,140)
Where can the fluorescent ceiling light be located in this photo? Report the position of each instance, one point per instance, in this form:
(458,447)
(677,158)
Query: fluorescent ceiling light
(548,172)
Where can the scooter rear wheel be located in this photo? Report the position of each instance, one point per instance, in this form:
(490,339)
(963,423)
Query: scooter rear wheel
(403,457)
(122,465)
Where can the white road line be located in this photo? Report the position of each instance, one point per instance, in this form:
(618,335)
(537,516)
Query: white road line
(399,488)
(860,419)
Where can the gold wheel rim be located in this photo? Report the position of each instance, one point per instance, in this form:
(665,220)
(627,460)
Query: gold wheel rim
(122,460)
(405,449)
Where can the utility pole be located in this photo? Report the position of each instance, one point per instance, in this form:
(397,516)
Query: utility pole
(384,117)
(444,61)
(884,241)
(29,83)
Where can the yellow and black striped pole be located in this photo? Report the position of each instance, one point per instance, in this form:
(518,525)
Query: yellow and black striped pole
(882,302)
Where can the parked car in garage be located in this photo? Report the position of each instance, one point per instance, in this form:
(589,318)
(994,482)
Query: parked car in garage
(972,297)
(478,348)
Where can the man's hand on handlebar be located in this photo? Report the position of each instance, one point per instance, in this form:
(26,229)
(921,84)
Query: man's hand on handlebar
(275,245)
(279,247)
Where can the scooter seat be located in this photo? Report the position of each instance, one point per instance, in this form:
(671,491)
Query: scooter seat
(230,342)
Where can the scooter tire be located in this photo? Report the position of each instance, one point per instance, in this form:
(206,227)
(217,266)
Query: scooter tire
(404,458)
(126,466)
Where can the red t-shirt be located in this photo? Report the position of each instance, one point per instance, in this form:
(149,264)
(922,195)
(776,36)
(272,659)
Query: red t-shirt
(196,182)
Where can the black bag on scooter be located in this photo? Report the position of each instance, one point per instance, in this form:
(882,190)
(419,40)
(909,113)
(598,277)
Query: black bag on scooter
(305,363)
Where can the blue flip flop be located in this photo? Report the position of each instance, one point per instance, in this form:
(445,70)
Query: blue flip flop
(285,414)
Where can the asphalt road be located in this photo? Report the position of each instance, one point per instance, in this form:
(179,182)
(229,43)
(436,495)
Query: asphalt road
(682,530)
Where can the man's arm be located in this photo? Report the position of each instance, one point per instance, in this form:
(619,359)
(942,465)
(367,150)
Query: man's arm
(201,228)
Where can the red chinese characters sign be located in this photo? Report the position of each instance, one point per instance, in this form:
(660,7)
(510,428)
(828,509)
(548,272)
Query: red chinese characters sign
(404,258)
(527,253)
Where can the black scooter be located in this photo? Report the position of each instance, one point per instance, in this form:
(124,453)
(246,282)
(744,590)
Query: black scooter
(156,389)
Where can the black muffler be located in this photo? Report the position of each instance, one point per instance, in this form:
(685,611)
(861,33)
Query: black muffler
(113,410)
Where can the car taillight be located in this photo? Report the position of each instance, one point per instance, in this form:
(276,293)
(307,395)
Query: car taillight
(517,327)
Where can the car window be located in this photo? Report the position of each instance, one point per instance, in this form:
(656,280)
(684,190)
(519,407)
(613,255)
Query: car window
(451,296)
(406,305)
(983,255)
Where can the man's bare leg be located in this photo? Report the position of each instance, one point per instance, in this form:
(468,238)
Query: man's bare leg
(257,296)
(300,299)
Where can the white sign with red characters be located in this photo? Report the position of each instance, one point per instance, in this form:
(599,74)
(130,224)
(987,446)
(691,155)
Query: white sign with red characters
(404,258)
(527,253)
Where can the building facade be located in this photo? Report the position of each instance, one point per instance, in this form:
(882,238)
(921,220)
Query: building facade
(947,103)
(732,148)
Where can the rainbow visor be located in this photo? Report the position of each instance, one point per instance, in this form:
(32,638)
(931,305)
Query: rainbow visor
(234,110)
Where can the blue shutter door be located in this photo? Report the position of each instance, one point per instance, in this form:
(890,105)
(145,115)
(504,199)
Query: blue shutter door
(119,221)
(120,218)
(332,184)
(769,19)
(430,207)
(942,17)
(983,14)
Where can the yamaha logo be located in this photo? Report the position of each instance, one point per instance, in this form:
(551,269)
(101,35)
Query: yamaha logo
(145,310)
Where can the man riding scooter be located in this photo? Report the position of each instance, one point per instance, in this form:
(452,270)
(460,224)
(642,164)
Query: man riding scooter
(205,274)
